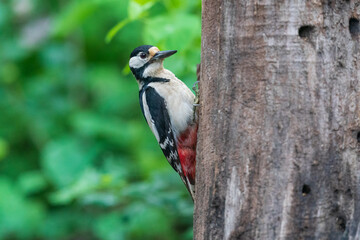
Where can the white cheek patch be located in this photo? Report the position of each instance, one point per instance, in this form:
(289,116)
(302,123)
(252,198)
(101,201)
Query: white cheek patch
(149,120)
(136,62)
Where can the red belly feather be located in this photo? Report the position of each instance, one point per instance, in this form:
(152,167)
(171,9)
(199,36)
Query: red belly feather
(186,147)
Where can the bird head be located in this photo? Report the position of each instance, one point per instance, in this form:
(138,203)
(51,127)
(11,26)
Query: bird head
(146,60)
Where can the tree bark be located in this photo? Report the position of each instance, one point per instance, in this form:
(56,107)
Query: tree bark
(279,132)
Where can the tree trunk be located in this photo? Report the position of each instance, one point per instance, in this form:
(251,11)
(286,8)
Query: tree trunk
(279,134)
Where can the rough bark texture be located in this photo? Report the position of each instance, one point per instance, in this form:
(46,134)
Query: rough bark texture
(279,135)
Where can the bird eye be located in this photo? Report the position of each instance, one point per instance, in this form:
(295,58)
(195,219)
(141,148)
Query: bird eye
(143,55)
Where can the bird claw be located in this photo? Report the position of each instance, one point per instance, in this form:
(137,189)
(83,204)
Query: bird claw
(196,104)
(195,87)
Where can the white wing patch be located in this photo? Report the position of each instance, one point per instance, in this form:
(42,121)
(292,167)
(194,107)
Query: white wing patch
(173,155)
(167,142)
(149,120)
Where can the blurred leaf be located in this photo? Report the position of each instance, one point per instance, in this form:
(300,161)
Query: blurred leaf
(12,50)
(9,73)
(149,223)
(149,161)
(3,14)
(66,223)
(87,182)
(115,29)
(99,198)
(111,91)
(65,160)
(4,148)
(32,182)
(88,189)
(176,30)
(112,226)
(122,133)
(137,9)
(75,14)
(138,221)
(16,212)
(174,4)
(144,2)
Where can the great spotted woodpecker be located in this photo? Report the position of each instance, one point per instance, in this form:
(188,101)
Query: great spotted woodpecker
(168,107)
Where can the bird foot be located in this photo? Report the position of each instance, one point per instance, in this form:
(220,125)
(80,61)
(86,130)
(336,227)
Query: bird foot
(196,103)
(195,87)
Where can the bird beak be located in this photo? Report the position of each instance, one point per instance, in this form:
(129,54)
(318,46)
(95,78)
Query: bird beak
(163,54)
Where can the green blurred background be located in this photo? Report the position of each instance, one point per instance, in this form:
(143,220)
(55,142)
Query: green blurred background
(77,159)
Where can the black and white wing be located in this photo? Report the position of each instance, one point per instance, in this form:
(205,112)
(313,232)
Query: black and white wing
(153,107)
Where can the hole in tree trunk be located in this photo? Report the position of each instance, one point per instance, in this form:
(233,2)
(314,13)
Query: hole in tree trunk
(358,137)
(306,31)
(305,190)
(341,223)
(354,27)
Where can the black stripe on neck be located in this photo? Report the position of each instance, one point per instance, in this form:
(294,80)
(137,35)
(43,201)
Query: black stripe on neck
(147,80)
(139,72)
(139,75)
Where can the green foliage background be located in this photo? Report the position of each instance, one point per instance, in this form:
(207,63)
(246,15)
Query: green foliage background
(77,159)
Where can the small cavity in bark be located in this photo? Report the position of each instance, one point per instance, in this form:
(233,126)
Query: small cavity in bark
(305,190)
(354,27)
(341,223)
(306,31)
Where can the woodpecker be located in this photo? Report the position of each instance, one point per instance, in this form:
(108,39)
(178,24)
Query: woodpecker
(168,107)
